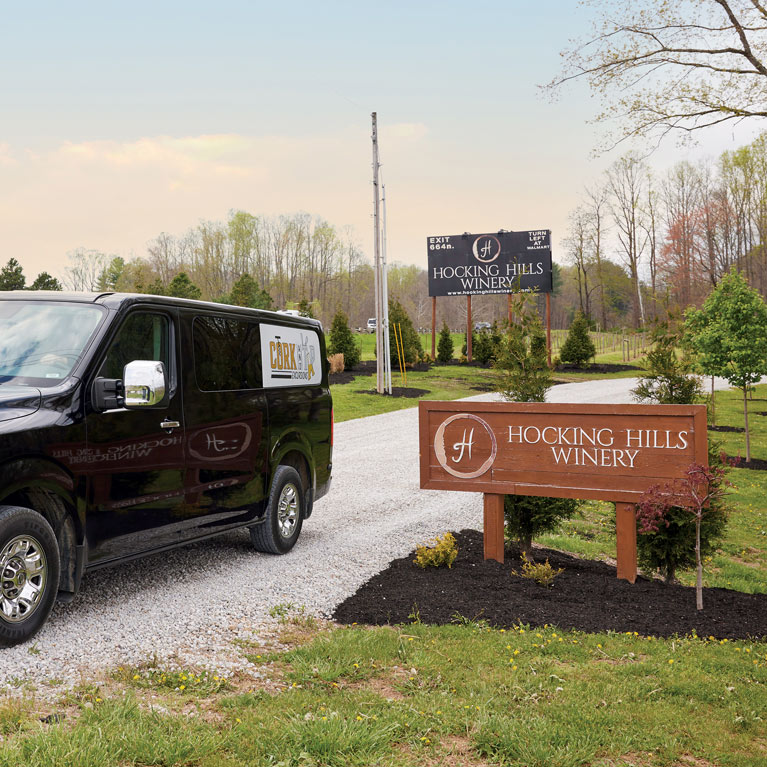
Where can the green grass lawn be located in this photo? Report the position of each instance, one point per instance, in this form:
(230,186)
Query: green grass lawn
(416,694)
(440,382)
(464,694)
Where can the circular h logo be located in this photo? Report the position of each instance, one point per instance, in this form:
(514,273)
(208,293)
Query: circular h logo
(465,446)
(486,248)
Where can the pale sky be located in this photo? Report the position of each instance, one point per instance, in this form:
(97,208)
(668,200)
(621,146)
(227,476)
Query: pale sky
(119,121)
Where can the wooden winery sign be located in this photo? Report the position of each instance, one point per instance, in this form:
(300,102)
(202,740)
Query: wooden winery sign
(604,452)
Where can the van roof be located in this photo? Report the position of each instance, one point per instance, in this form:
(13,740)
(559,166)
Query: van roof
(116,301)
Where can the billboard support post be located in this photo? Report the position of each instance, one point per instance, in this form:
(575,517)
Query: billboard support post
(433,327)
(468,328)
(548,327)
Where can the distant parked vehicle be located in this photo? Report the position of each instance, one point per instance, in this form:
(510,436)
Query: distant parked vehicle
(372,325)
(482,326)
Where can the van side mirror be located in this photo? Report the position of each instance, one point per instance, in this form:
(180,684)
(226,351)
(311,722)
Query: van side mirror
(145,384)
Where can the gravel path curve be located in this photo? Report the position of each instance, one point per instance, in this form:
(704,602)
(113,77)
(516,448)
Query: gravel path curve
(186,606)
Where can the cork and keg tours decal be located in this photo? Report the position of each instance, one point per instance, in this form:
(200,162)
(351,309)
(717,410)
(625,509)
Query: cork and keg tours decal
(290,356)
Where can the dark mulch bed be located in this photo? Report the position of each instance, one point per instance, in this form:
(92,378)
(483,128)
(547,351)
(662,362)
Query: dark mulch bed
(364,368)
(368,367)
(586,596)
(602,367)
(757,464)
(726,428)
(397,391)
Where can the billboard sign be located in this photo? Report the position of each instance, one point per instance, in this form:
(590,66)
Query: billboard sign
(479,264)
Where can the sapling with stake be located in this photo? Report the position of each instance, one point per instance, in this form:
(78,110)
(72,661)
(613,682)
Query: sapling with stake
(696,491)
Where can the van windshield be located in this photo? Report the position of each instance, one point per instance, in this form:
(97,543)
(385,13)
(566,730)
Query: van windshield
(40,342)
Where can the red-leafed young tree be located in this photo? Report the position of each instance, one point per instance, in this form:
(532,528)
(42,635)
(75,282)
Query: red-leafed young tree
(700,491)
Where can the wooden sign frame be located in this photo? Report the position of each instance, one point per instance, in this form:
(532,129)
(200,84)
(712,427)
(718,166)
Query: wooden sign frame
(586,451)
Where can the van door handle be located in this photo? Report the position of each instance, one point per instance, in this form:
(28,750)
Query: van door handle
(169,425)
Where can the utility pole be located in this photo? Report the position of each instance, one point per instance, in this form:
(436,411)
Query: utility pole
(385,298)
(377,265)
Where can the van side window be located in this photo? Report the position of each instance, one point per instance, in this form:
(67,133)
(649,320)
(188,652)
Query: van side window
(227,354)
(142,336)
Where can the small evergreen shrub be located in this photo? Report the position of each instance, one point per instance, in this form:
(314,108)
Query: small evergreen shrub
(540,572)
(443,552)
(411,341)
(522,361)
(528,516)
(445,345)
(578,348)
(483,350)
(336,363)
(669,379)
(342,341)
(305,309)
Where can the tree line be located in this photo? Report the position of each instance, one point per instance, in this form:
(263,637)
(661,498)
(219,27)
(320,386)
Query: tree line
(639,244)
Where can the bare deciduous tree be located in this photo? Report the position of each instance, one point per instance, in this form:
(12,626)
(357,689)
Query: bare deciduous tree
(679,66)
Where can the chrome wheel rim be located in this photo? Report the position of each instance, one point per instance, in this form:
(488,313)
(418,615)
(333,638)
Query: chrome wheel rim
(23,575)
(287,510)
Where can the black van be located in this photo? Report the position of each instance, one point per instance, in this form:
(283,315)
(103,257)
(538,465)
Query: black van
(130,424)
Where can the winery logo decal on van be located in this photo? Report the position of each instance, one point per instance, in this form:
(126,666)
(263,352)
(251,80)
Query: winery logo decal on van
(290,356)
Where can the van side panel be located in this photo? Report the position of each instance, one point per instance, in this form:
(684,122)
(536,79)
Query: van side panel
(300,415)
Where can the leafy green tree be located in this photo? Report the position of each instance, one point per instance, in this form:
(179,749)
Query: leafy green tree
(578,347)
(342,341)
(12,276)
(247,292)
(411,341)
(669,379)
(182,287)
(445,345)
(111,274)
(729,335)
(45,281)
(526,377)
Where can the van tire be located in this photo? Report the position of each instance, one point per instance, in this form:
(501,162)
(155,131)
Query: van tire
(29,573)
(279,531)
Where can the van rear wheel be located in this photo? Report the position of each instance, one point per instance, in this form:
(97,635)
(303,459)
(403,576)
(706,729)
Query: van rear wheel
(29,573)
(279,531)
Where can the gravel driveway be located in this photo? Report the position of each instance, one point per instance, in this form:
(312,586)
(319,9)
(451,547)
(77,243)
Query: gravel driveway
(188,605)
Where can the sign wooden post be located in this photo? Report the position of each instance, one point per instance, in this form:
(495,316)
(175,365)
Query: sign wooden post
(493,526)
(605,452)
(626,541)
(433,327)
